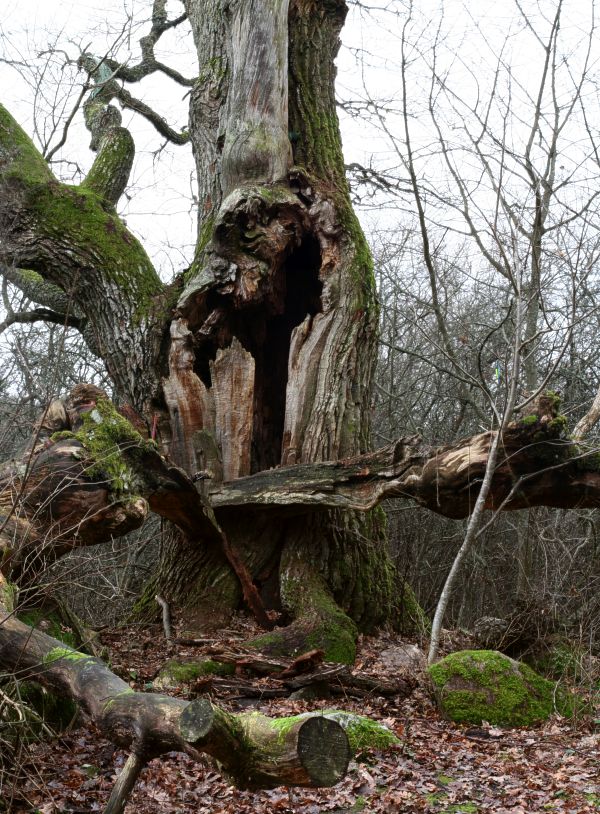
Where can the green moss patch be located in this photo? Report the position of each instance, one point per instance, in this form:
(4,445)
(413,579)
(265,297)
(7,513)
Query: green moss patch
(18,150)
(65,653)
(106,435)
(336,636)
(362,732)
(175,673)
(529,419)
(483,685)
(77,214)
(319,621)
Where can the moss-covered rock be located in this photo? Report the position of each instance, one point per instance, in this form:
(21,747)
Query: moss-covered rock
(175,673)
(483,685)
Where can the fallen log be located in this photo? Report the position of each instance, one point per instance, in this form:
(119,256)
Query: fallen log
(341,680)
(253,751)
(259,752)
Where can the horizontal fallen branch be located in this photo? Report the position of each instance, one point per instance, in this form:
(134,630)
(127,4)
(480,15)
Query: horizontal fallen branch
(293,674)
(537,466)
(252,750)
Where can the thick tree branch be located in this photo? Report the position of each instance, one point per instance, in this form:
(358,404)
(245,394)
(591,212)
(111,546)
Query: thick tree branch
(114,144)
(39,290)
(587,422)
(74,240)
(253,750)
(537,466)
(40,315)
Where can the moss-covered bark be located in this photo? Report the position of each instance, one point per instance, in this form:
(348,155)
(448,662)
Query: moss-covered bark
(71,236)
(362,732)
(175,673)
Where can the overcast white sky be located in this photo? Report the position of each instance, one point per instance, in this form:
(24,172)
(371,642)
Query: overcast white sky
(160,209)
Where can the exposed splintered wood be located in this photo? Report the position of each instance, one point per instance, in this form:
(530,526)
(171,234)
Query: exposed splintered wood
(306,350)
(232,375)
(537,466)
(189,401)
(255,751)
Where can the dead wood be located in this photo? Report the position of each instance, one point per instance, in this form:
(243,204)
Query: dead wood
(301,672)
(538,466)
(252,750)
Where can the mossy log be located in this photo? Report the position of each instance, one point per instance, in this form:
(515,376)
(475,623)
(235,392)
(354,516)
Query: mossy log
(259,752)
(253,750)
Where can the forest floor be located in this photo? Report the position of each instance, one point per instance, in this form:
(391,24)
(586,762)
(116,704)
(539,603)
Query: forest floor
(437,767)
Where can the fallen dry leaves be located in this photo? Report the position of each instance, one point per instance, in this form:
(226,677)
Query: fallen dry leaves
(438,766)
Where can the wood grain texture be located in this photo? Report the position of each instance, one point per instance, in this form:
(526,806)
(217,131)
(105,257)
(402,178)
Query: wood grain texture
(232,374)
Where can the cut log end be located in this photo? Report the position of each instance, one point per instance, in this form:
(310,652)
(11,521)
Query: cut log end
(323,750)
(198,721)
(258,752)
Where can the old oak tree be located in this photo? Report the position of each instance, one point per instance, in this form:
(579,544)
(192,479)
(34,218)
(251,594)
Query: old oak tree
(243,388)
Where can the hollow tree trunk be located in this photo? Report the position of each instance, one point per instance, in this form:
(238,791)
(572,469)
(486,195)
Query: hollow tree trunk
(274,342)
(261,353)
